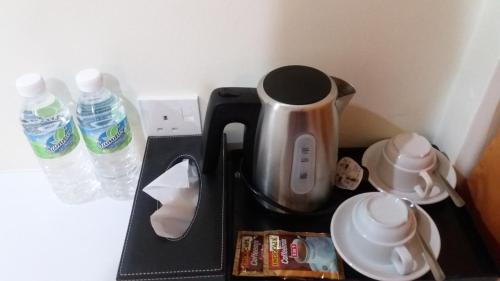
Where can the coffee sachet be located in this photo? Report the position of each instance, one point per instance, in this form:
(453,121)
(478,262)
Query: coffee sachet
(249,257)
(286,254)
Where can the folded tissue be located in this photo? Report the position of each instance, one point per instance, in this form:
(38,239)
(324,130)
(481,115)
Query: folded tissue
(177,190)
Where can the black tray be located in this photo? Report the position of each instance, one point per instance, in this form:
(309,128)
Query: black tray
(463,254)
(209,250)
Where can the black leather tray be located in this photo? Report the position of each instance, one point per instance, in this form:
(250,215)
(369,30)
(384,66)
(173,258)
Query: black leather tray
(201,254)
(463,253)
(207,251)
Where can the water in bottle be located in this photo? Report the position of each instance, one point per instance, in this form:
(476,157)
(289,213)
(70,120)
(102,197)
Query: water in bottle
(52,133)
(106,131)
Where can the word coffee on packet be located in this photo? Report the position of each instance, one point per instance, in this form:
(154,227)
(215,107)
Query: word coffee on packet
(286,254)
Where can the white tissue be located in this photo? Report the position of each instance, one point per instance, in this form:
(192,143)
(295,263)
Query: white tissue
(177,189)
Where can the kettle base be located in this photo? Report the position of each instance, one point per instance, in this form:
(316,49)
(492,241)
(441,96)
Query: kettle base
(276,207)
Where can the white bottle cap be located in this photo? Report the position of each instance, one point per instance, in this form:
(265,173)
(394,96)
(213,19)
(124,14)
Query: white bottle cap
(89,80)
(30,85)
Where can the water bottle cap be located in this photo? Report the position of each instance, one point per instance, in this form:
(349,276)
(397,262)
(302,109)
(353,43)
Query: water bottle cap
(30,85)
(89,80)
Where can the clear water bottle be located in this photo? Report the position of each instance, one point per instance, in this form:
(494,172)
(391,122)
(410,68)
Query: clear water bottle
(106,131)
(52,133)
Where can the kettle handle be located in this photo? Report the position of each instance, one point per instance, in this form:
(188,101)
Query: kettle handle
(229,105)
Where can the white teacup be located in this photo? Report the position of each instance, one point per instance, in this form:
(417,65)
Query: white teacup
(406,164)
(383,228)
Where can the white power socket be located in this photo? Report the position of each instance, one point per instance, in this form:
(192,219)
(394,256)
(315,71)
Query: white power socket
(170,115)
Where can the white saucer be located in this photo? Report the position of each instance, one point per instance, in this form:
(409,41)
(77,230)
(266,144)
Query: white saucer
(341,229)
(438,192)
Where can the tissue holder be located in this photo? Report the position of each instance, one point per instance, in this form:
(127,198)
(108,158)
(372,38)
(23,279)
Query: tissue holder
(201,253)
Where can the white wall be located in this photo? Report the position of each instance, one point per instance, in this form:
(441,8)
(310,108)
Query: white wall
(483,127)
(468,115)
(401,55)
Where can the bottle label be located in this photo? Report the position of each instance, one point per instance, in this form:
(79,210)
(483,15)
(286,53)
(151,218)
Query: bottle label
(112,139)
(56,144)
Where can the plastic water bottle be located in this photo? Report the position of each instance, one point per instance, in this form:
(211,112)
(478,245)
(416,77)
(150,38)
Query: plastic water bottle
(52,133)
(106,131)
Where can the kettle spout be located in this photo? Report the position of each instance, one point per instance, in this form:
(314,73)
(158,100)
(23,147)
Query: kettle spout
(345,93)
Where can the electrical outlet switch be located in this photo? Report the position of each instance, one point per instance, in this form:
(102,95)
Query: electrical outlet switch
(170,115)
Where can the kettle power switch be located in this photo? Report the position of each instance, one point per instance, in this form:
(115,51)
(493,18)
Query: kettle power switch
(303,166)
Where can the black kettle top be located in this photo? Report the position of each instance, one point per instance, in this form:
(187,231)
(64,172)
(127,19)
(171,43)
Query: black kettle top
(297,85)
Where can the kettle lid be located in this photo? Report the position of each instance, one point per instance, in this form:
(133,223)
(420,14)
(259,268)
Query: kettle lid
(297,85)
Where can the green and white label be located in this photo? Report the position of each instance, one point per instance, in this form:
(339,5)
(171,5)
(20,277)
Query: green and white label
(113,138)
(56,144)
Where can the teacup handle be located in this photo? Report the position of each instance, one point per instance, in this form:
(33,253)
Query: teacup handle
(429,183)
(402,260)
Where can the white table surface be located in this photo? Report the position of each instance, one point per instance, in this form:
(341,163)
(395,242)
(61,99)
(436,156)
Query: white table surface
(42,239)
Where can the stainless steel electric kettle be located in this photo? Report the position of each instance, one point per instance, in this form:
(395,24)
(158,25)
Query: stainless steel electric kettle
(291,134)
